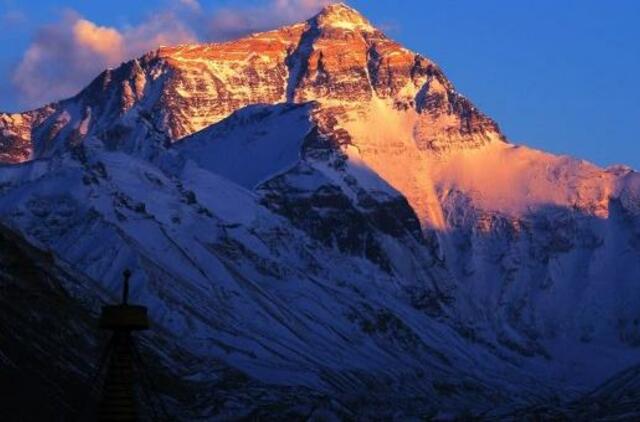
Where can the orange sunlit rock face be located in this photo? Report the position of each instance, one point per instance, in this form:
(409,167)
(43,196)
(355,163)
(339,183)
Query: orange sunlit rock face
(336,58)
(382,104)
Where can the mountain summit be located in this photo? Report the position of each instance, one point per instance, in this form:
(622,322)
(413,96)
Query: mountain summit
(339,15)
(356,74)
(336,58)
(320,224)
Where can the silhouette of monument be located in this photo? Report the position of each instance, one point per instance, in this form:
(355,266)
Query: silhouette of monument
(124,365)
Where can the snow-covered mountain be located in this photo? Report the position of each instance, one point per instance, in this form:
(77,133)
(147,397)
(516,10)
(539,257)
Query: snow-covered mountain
(320,224)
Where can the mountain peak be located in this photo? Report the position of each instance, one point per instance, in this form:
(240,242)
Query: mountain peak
(339,15)
(336,58)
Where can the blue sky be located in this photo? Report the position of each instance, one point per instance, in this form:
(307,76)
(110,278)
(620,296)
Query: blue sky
(560,75)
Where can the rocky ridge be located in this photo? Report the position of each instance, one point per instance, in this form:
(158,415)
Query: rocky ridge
(336,58)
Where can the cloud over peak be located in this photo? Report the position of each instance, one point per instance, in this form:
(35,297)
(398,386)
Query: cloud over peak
(232,22)
(101,40)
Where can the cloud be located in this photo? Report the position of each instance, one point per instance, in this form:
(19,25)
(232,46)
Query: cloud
(13,18)
(194,5)
(233,22)
(64,56)
(101,40)
(161,29)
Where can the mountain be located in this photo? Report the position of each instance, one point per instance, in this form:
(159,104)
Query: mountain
(320,224)
(337,57)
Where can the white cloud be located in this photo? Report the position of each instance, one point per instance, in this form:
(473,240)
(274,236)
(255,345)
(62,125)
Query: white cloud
(191,4)
(65,56)
(13,18)
(233,22)
(101,40)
